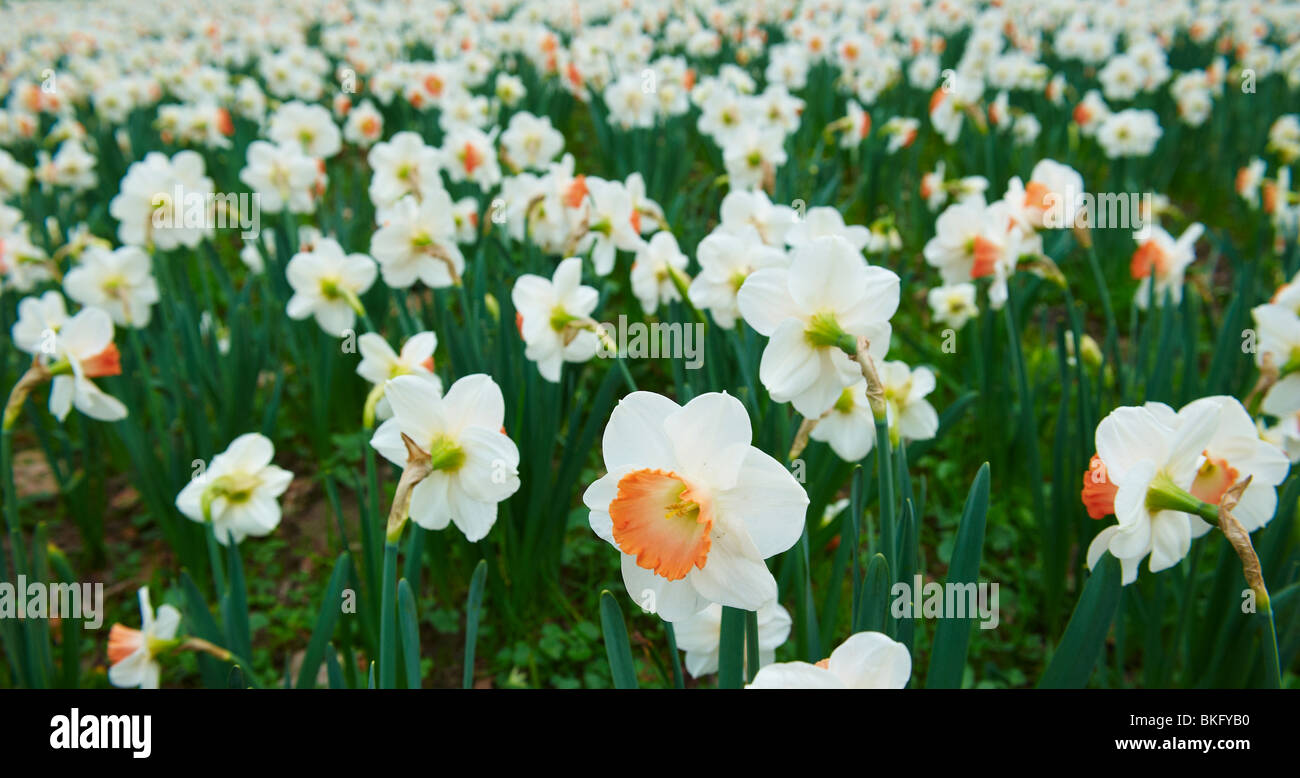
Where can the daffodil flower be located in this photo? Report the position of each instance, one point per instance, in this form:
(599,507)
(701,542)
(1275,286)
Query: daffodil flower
(867,660)
(691,506)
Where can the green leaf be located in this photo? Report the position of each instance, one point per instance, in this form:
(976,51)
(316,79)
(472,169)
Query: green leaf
(388,620)
(325,621)
(952,636)
(617,649)
(731,649)
(237,678)
(333,670)
(200,622)
(1085,636)
(235,614)
(472,609)
(409,626)
(874,613)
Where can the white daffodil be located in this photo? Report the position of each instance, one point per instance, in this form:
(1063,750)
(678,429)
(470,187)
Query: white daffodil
(402,166)
(132,652)
(1233,452)
(554,317)
(1147,459)
(691,506)
(147,206)
(39,322)
(657,261)
(726,259)
(911,417)
(239,491)
(417,241)
(823,222)
(474,464)
(867,660)
(309,126)
(812,311)
(283,177)
(120,281)
(83,350)
(953,305)
(610,220)
(1162,261)
(849,427)
(327,284)
(699,636)
(380,364)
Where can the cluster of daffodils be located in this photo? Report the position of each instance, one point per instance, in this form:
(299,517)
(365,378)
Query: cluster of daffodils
(976,240)
(778,173)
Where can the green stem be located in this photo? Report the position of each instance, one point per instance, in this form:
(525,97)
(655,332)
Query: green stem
(885,471)
(388,620)
(1272,665)
(678,682)
(751,645)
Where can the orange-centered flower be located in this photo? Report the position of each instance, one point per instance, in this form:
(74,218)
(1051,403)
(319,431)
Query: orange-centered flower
(986,254)
(472,158)
(1213,479)
(577,190)
(1036,195)
(224,125)
(1098,491)
(105,363)
(660,520)
(123,642)
(936,98)
(1149,255)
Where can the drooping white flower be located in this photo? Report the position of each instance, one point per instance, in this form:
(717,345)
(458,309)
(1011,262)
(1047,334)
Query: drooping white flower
(1143,451)
(131,652)
(911,416)
(83,350)
(610,223)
